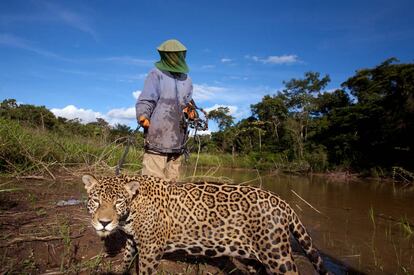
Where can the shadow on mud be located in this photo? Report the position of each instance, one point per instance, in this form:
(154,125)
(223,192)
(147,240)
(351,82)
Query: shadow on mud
(227,265)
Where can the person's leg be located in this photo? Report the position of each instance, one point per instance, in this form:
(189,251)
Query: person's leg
(154,165)
(172,170)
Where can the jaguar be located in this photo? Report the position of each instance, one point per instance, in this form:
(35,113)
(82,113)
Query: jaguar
(204,219)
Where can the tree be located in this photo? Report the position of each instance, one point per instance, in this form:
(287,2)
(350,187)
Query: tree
(300,93)
(222,116)
(29,114)
(384,122)
(225,137)
(272,111)
(120,131)
(101,128)
(8,104)
(327,102)
(301,100)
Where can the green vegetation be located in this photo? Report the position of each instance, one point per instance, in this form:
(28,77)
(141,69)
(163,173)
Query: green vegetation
(366,126)
(25,147)
(406,226)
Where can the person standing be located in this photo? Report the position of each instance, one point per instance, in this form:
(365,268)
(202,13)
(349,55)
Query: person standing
(160,111)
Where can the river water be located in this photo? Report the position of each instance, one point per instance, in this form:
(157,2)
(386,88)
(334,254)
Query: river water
(361,224)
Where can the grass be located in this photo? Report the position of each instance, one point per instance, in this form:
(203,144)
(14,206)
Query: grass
(403,264)
(27,150)
(372,217)
(10,190)
(406,226)
(260,161)
(4,189)
(26,266)
(64,232)
(93,265)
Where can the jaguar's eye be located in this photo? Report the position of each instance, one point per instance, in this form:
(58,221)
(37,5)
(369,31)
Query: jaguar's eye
(92,206)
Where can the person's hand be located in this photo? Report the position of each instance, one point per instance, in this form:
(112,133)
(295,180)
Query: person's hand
(190,112)
(144,122)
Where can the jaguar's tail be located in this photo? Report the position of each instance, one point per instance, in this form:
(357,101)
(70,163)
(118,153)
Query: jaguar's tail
(301,235)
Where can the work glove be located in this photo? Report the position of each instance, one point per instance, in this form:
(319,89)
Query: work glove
(144,122)
(190,113)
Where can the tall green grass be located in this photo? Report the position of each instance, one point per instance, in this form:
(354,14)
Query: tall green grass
(24,150)
(261,161)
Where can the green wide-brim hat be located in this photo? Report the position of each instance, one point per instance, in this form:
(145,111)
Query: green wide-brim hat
(172,57)
(172,45)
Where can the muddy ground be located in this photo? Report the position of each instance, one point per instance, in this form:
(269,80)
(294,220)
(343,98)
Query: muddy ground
(38,235)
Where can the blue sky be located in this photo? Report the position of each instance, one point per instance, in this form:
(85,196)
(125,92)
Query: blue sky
(89,58)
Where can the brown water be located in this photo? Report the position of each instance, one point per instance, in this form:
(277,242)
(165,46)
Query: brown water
(360,225)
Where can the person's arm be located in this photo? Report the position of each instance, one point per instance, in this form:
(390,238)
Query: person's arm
(148,99)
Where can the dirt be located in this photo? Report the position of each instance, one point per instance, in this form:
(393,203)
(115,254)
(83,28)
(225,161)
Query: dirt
(37,236)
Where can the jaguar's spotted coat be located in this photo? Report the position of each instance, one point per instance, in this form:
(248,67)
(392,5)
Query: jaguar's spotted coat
(208,219)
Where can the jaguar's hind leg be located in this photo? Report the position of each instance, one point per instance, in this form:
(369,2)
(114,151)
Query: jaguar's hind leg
(278,259)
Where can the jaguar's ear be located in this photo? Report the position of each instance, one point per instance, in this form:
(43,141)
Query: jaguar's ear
(132,187)
(89,182)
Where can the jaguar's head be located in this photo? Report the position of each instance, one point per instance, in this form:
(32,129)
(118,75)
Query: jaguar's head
(108,202)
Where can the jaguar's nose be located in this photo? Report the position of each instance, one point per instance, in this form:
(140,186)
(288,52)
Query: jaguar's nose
(104,223)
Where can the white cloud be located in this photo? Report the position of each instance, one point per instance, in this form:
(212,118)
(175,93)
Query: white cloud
(283,59)
(113,116)
(201,133)
(136,94)
(226,60)
(236,95)
(237,99)
(122,113)
(232,108)
(275,59)
(206,92)
(72,112)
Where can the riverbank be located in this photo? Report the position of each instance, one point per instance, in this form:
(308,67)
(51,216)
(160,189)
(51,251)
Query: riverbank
(46,229)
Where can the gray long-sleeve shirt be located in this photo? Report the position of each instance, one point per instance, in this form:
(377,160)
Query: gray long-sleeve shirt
(162,101)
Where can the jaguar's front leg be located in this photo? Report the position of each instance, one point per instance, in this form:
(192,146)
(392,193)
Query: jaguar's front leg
(129,255)
(149,260)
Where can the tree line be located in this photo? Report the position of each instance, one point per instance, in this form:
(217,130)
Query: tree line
(367,123)
(42,118)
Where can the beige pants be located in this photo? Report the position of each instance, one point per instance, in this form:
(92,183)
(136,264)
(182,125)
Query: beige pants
(165,166)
